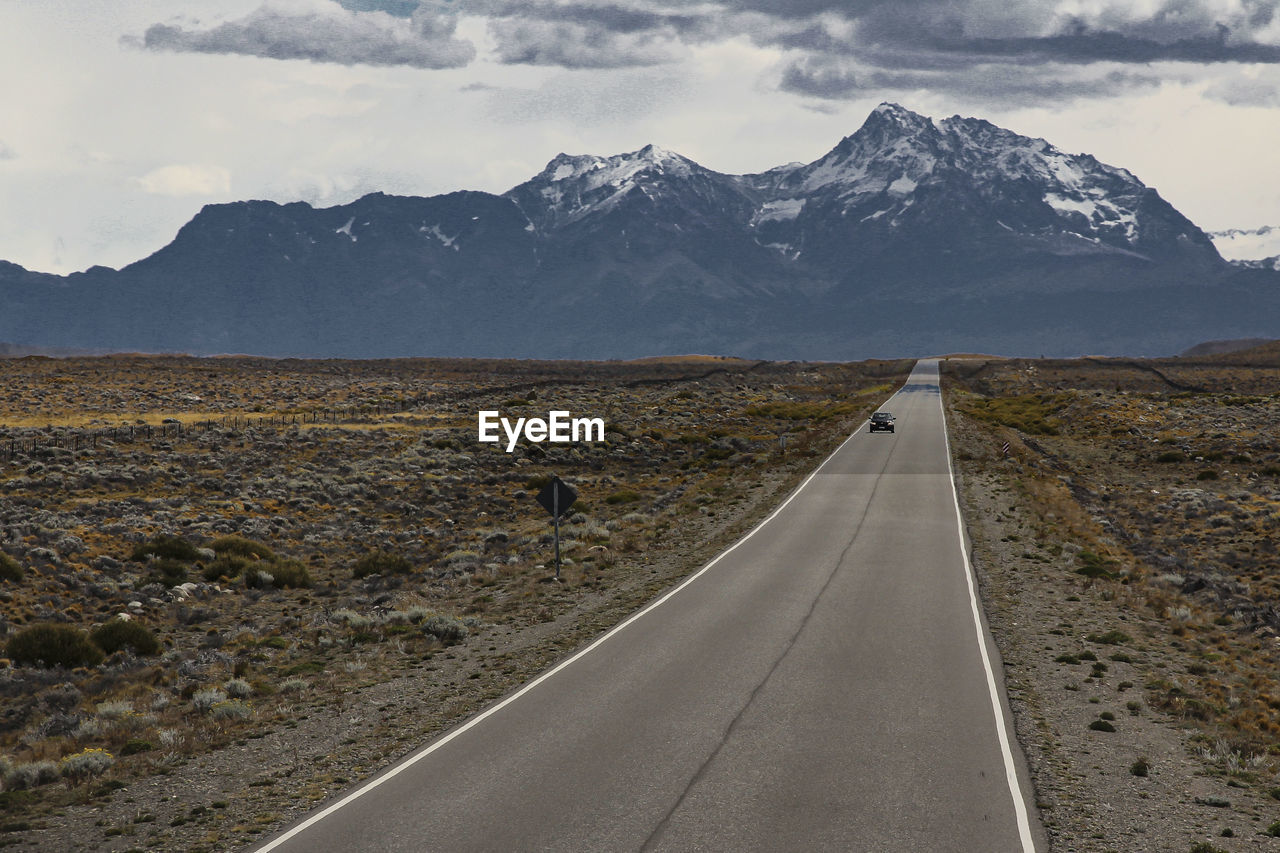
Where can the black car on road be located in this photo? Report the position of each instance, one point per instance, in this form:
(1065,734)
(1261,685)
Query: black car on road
(882,421)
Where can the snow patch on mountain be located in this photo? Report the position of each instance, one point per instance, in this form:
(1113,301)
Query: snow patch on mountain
(780,210)
(445,240)
(1248,244)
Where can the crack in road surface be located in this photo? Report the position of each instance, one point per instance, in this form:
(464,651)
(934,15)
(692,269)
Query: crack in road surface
(656,836)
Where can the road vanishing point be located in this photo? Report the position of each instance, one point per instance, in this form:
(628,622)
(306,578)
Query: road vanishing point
(826,683)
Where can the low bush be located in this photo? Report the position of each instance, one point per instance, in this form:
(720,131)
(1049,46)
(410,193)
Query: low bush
(86,764)
(168,547)
(291,573)
(10,570)
(1031,413)
(232,709)
(226,567)
(1095,566)
(447,629)
(381,563)
(625,496)
(238,688)
(167,572)
(21,777)
(53,645)
(1171,456)
(238,546)
(118,634)
(135,746)
(817,410)
(204,700)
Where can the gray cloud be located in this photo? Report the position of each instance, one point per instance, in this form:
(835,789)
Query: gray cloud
(835,78)
(572,44)
(834,48)
(425,39)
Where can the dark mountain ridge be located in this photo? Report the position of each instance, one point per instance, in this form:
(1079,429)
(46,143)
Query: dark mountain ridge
(910,236)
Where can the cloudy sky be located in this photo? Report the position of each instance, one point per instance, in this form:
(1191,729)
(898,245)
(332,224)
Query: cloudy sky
(121,119)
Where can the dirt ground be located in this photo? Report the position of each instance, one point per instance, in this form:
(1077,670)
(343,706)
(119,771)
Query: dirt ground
(1125,542)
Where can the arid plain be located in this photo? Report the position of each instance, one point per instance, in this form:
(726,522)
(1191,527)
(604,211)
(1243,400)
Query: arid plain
(332,567)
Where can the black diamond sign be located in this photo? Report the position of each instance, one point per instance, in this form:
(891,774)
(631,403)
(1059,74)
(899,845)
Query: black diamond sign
(557,497)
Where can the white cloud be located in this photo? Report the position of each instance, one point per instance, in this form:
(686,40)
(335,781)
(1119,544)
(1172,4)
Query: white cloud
(186,180)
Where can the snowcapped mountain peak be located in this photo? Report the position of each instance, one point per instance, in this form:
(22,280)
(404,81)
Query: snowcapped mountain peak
(572,187)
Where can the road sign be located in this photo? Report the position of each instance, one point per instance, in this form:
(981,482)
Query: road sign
(557,497)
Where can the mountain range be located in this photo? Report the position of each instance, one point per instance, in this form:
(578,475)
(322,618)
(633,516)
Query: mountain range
(911,236)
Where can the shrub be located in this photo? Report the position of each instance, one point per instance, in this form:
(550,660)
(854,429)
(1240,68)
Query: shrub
(238,688)
(293,685)
(1031,413)
(53,645)
(228,567)
(117,634)
(10,570)
(203,700)
(1111,638)
(291,573)
(1101,726)
(259,578)
(537,482)
(1207,475)
(238,546)
(167,572)
(1140,767)
(817,410)
(626,496)
(447,629)
(1274,830)
(86,764)
(1171,456)
(167,547)
(232,709)
(135,746)
(115,709)
(381,563)
(20,777)
(1095,566)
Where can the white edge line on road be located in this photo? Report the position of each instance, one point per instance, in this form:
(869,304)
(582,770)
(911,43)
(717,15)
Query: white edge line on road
(493,709)
(1010,769)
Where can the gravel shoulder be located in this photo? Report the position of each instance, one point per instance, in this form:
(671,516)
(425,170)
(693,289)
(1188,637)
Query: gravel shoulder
(1130,669)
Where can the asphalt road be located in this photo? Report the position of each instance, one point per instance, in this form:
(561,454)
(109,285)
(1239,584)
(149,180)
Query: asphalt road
(822,685)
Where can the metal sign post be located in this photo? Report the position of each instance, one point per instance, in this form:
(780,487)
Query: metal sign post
(555,512)
(557,497)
